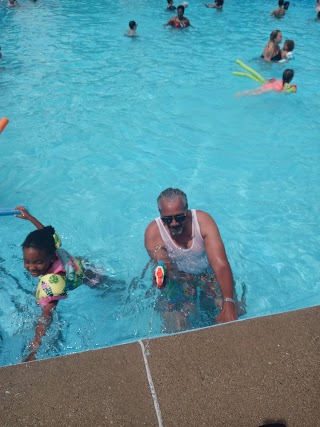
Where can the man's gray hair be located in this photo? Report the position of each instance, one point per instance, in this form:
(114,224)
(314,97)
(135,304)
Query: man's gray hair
(172,195)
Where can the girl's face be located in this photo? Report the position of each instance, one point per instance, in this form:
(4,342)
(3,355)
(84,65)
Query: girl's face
(36,261)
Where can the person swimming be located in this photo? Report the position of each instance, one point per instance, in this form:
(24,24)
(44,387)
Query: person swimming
(272,52)
(58,272)
(275,85)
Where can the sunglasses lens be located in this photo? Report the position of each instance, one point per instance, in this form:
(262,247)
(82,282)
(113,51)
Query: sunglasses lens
(167,220)
(178,218)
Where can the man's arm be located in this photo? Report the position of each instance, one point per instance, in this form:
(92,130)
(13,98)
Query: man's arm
(219,262)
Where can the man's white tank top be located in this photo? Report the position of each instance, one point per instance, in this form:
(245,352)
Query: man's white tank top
(191,260)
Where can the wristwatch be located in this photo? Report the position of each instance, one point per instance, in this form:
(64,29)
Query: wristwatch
(229,300)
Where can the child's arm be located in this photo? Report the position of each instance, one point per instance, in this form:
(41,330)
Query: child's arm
(26,215)
(41,329)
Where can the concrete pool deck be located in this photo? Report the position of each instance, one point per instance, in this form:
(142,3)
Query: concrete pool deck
(246,373)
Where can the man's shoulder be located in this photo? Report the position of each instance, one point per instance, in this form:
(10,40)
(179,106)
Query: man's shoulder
(202,215)
(152,229)
(205,221)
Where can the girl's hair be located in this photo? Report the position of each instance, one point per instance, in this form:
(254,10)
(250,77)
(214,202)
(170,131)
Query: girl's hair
(41,239)
(287,76)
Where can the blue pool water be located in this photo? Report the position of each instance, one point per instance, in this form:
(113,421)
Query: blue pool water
(100,124)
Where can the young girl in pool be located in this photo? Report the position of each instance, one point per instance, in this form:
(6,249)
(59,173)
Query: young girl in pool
(58,271)
(273,85)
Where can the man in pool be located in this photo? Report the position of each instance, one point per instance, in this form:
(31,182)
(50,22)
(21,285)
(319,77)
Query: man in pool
(280,11)
(190,245)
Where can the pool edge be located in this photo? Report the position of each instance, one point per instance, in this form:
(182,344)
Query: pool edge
(238,374)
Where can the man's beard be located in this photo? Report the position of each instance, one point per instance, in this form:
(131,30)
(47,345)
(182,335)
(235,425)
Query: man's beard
(176,231)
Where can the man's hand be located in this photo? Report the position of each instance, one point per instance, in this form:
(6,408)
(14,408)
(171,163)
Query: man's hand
(30,357)
(228,313)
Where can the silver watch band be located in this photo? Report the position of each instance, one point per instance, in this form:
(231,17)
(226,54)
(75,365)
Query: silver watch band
(229,300)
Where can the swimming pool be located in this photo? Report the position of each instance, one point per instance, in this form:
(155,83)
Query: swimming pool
(100,124)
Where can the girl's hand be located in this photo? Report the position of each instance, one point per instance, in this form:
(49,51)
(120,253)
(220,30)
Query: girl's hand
(24,213)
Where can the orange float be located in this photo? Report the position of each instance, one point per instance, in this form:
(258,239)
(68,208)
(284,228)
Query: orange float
(3,123)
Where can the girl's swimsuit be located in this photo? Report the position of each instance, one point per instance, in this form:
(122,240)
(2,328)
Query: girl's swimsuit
(65,273)
(277,85)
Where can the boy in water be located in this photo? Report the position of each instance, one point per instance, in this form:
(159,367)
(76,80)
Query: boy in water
(132,31)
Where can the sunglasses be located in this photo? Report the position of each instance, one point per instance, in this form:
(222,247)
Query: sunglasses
(178,218)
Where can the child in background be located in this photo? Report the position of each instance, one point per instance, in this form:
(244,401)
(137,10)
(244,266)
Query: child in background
(170,5)
(287,50)
(286,5)
(132,31)
(217,5)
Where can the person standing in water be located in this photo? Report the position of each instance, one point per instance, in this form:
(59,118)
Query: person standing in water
(179,21)
(189,244)
(280,11)
(132,29)
(272,52)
